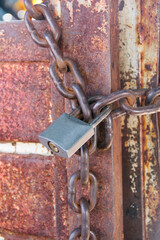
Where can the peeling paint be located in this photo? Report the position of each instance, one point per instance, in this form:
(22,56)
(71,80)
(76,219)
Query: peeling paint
(151,181)
(24,148)
(69,6)
(103,27)
(139,43)
(131,145)
(57,7)
(100,6)
(129,75)
(85,3)
(2,32)
(129,64)
(147,28)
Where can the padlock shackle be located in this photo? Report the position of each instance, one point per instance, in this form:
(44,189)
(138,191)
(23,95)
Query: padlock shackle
(103,114)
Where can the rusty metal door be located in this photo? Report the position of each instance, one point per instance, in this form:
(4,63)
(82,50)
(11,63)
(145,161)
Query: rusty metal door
(116,45)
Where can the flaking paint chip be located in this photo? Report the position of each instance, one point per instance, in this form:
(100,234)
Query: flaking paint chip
(2,32)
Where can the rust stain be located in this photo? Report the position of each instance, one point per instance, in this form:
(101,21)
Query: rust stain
(148,35)
(148,42)
(100,6)
(18,46)
(117,146)
(151,177)
(97,44)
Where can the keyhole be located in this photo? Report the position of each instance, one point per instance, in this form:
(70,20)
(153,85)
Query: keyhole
(53,147)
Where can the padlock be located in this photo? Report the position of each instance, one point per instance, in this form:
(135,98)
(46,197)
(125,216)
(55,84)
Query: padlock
(68,133)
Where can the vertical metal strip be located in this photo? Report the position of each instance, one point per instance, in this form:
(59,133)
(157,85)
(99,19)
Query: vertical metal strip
(61,190)
(139,45)
(117,147)
(86,38)
(129,75)
(149,76)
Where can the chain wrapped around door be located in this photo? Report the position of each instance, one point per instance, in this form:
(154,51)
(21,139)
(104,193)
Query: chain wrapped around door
(86,113)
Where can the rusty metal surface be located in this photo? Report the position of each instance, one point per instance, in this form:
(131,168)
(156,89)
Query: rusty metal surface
(129,75)
(7,235)
(149,77)
(17,45)
(86,33)
(27,202)
(25,99)
(86,38)
(88,27)
(138,67)
(60,177)
(116,149)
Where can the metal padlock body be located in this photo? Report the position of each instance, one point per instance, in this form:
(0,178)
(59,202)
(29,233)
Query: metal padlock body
(67,133)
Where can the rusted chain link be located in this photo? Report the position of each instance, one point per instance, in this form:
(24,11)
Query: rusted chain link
(33,10)
(72,191)
(54,29)
(127,100)
(84,165)
(77,234)
(83,207)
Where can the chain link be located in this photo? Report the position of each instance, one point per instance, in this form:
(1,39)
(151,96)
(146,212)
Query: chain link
(50,39)
(126,101)
(72,191)
(54,28)
(84,165)
(77,234)
(32,10)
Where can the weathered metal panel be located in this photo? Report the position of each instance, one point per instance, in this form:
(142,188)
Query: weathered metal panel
(139,44)
(25,100)
(90,36)
(61,181)
(7,235)
(117,145)
(129,74)
(86,39)
(17,45)
(27,195)
(149,77)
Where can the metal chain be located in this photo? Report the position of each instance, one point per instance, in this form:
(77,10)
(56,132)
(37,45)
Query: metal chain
(127,100)
(50,39)
(87,109)
(62,65)
(84,175)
